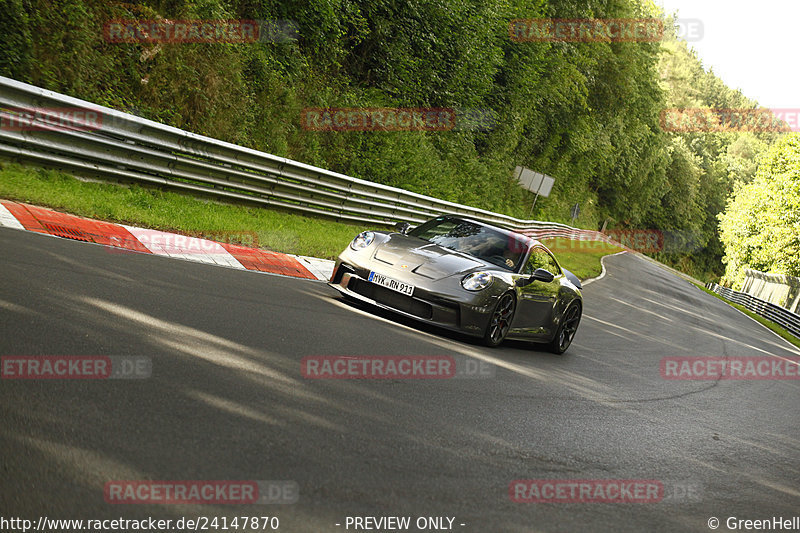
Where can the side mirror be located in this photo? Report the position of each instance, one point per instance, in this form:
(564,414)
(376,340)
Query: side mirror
(541,274)
(402,227)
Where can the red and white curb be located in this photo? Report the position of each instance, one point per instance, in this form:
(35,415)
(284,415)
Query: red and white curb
(119,236)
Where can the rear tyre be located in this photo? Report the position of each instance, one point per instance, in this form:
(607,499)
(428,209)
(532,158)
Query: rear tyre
(500,322)
(566,331)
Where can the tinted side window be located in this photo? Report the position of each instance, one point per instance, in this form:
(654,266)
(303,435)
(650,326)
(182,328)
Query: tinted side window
(541,259)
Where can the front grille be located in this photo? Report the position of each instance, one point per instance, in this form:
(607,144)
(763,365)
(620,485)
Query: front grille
(390,298)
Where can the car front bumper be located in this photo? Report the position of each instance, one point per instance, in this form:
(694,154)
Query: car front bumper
(442,303)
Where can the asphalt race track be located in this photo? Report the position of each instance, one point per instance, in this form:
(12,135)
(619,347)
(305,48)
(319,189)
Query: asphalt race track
(227,401)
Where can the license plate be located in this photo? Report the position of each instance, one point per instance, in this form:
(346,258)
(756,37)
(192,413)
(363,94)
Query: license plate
(390,283)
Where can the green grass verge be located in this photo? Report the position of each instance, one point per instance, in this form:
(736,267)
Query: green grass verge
(582,258)
(768,323)
(169,211)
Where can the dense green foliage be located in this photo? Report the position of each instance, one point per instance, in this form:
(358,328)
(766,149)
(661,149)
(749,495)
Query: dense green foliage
(703,167)
(761,225)
(586,113)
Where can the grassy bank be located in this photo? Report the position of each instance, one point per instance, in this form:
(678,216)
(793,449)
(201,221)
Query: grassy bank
(582,258)
(168,211)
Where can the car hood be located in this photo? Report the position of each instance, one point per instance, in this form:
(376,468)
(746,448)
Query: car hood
(424,258)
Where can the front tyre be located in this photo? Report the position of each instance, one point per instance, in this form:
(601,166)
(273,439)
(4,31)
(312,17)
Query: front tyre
(566,331)
(500,322)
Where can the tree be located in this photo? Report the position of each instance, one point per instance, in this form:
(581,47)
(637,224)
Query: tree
(741,158)
(760,227)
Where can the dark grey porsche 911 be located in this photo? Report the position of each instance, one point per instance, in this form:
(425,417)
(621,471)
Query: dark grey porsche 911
(465,275)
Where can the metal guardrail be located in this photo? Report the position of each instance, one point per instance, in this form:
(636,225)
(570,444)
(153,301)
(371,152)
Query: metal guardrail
(783,317)
(128,148)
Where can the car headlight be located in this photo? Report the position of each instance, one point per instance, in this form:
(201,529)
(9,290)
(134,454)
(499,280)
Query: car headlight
(476,281)
(362,240)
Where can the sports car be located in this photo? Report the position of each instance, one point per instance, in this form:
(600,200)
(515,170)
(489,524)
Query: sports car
(465,275)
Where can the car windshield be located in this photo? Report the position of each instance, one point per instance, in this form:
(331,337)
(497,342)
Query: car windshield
(487,244)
